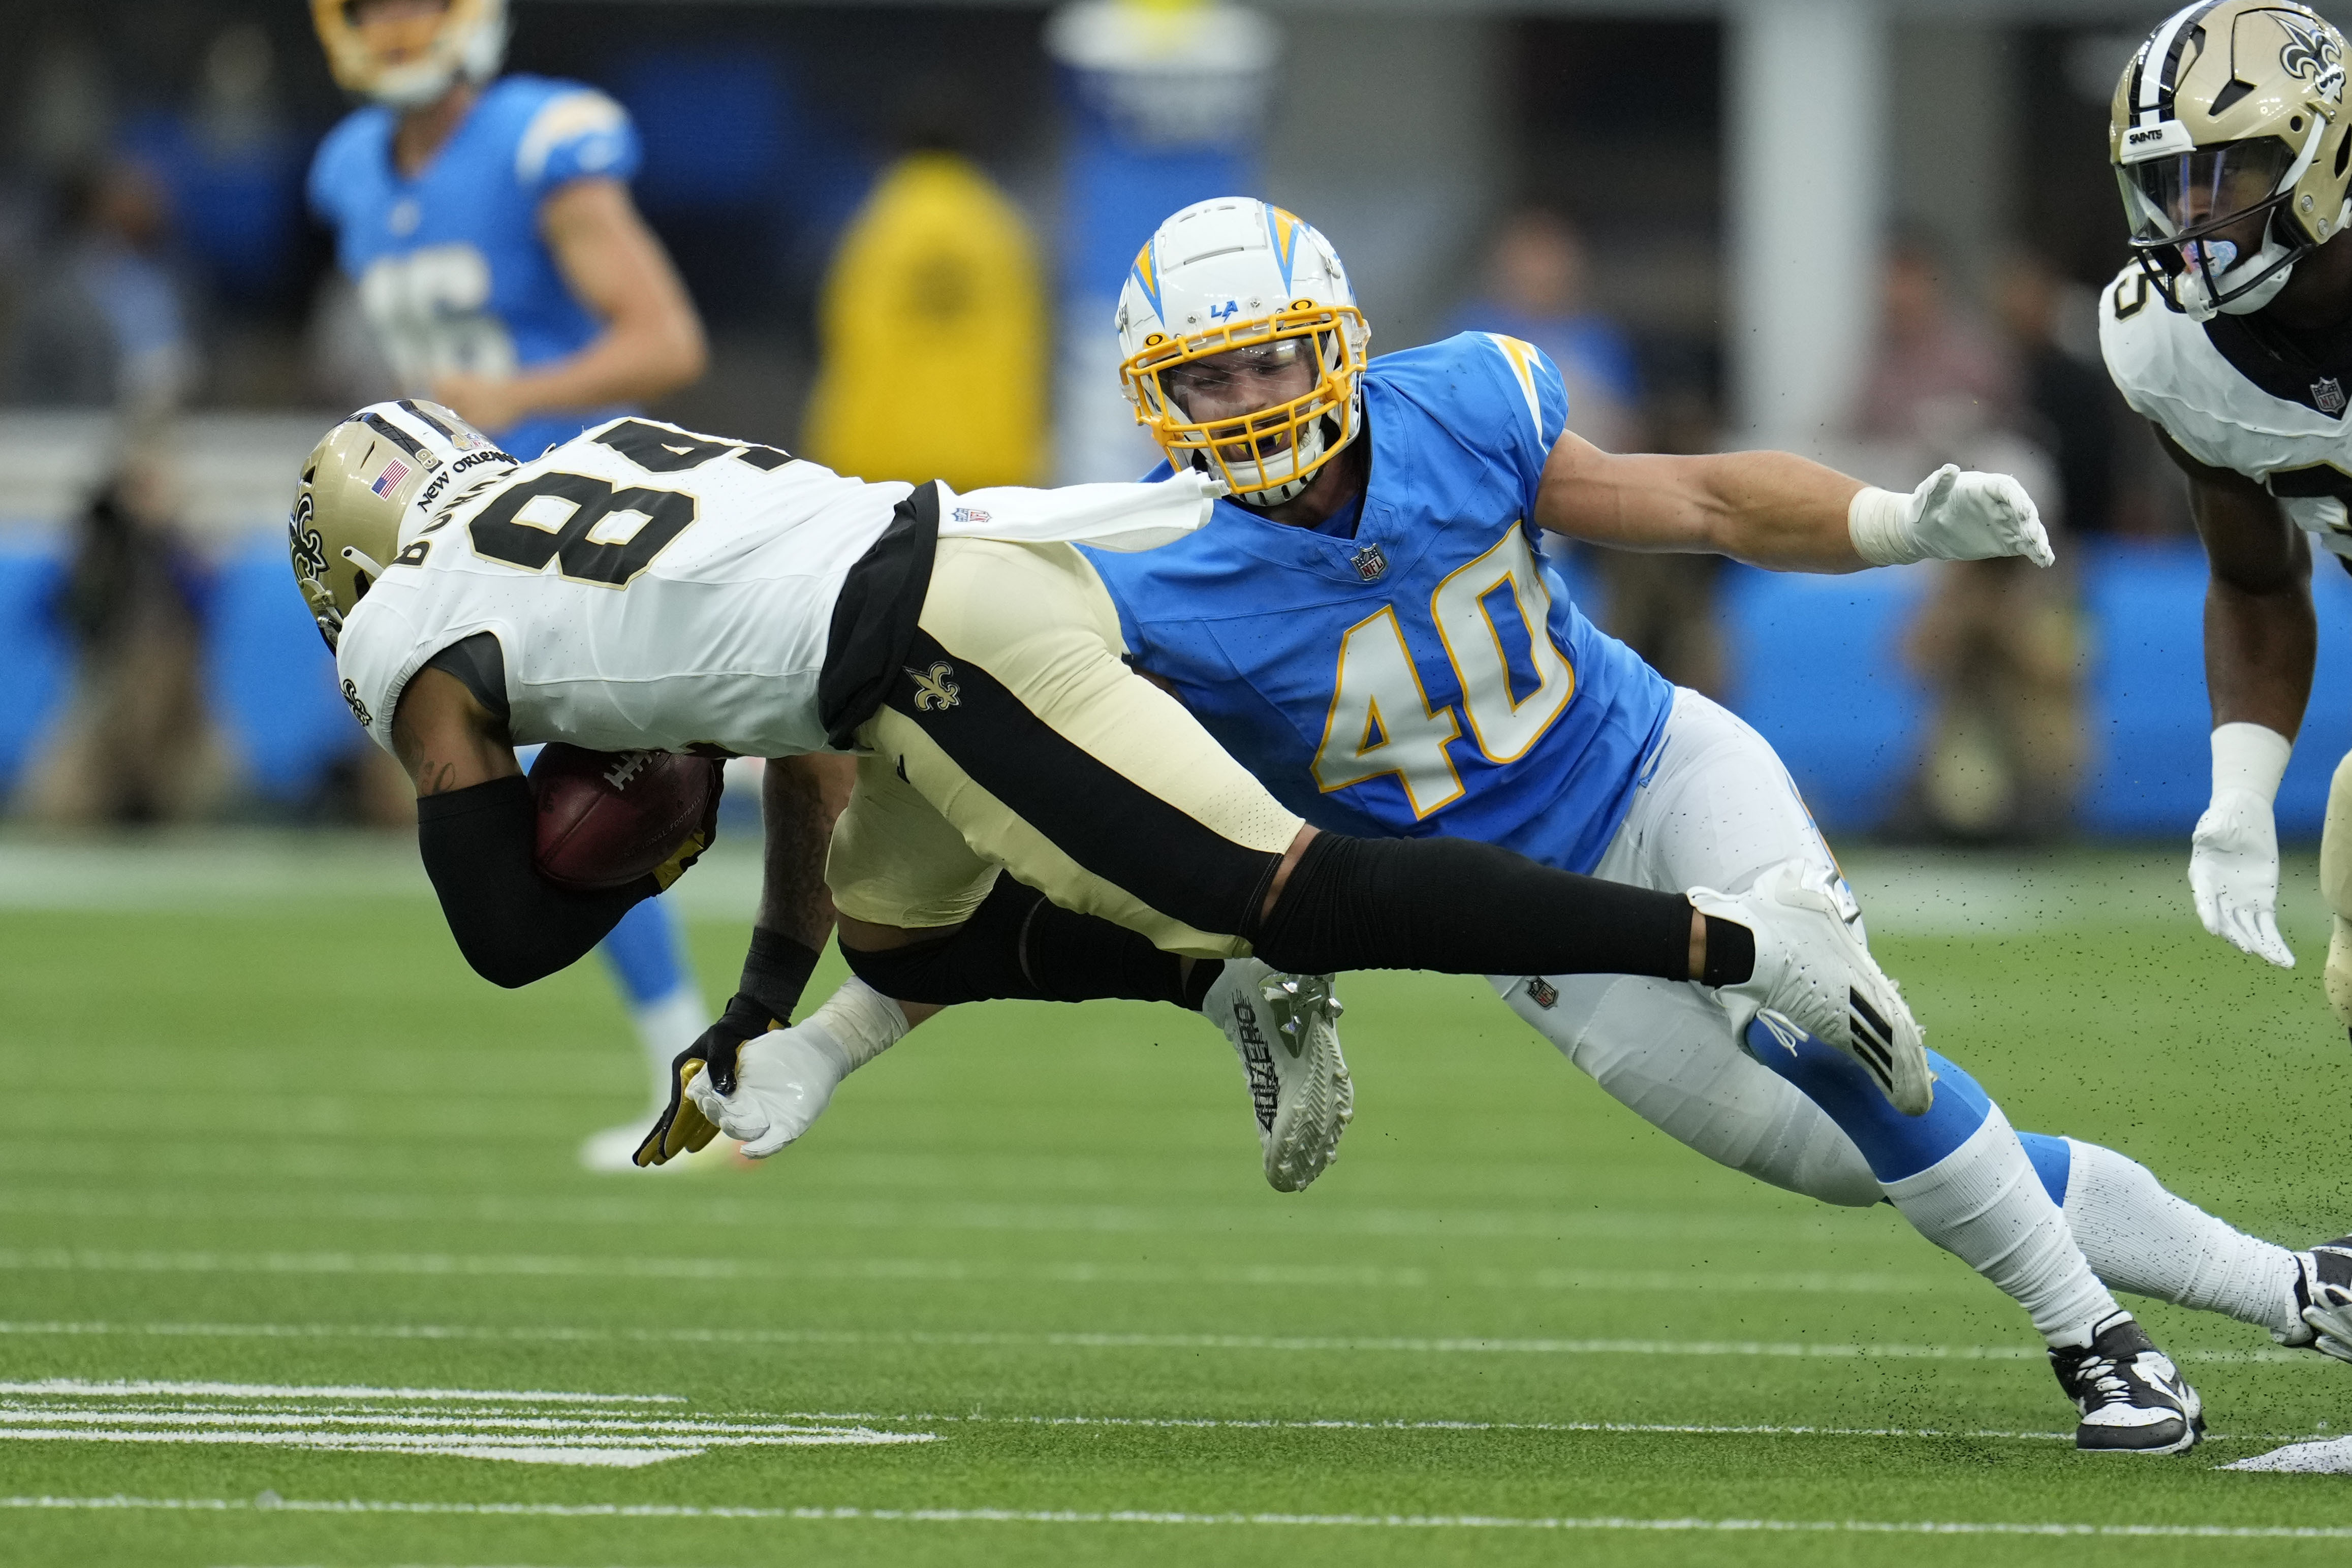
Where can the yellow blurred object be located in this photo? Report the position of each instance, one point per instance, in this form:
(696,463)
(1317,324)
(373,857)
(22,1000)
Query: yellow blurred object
(934,335)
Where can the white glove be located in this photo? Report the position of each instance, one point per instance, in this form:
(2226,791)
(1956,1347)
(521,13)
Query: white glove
(2234,870)
(2233,861)
(784,1080)
(1952,516)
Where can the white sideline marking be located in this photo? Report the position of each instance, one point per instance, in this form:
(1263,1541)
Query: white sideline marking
(2330,1456)
(483,1423)
(437,1265)
(329,1391)
(1138,1516)
(841,1211)
(1076,1341)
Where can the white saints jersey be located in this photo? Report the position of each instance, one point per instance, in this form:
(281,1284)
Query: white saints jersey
(2236,395)
(652,589)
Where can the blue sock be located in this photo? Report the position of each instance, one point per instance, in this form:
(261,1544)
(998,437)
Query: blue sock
(2053,1162)
(645,954)
(1895,1144)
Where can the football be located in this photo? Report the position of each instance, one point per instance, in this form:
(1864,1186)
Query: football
(606,819)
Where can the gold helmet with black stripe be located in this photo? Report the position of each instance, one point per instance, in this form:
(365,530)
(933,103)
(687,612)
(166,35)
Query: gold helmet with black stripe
(2231,144)
(368,487)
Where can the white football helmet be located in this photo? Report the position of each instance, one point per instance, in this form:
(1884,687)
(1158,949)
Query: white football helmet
(408,61)
(1231,294)
(371,486)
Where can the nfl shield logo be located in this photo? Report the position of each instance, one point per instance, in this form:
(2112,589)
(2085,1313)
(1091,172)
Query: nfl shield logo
(2328,393)
(1371,563)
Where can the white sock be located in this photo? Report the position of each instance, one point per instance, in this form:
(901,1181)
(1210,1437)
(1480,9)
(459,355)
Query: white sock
(1983,1204)
(2143,1239)
(665,1027)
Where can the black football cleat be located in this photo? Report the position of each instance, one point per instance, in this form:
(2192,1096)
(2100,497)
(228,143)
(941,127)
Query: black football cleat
(2133,1400)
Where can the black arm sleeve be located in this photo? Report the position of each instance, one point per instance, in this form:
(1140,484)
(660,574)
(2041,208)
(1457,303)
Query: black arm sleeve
(1464,907)
(513,925)
(1018,945)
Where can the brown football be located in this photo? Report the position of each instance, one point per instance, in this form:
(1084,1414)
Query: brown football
(606,819)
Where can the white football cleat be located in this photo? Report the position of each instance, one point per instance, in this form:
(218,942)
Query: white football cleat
(1812,968)
(2132,1398)
(1285,1028)
(614,1149)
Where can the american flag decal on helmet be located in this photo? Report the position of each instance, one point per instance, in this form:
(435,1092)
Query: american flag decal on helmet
(389,480)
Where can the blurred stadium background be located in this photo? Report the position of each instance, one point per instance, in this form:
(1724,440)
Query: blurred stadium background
(1868,229)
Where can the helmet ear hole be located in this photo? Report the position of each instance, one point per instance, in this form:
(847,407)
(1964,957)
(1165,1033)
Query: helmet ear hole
(2343,151)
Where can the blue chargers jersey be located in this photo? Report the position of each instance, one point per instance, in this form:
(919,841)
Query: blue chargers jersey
(451,269)
(1428,675)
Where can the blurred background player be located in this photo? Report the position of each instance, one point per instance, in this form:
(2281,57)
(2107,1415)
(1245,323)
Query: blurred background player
(1996,645)
(933,330)
(487,226)
(1537,289)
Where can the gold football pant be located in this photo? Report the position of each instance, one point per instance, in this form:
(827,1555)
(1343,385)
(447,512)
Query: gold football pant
(1018,739)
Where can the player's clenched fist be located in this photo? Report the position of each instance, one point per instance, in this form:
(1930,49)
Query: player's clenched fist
(1954,515)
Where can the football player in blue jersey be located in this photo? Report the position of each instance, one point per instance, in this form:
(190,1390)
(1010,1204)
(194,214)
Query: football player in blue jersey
(487,223)
(1365,626)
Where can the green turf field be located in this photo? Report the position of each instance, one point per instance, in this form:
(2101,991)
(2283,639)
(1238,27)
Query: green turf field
(1023,1297)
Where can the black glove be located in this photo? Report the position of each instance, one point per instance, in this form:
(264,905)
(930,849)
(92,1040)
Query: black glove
(683,1129)
(775,972)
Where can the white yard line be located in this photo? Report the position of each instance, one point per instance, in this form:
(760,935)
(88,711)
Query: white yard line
(1342,1344)
(530,1427)
(835,1211)
(1143,1516)
(126,1389)
(436,1264)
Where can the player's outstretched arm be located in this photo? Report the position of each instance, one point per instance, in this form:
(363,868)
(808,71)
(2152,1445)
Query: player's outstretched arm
(476,830)
(1783,511)
(2261,641)
(800,799)
(652,342)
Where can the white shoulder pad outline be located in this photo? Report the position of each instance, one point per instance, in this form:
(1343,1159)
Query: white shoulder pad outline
(582,111)
(1521,357)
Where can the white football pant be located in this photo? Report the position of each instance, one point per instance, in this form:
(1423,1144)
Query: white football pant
(1714,808)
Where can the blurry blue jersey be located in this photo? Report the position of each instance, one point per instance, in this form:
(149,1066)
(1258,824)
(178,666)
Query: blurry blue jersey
(452,272)
(1428,675)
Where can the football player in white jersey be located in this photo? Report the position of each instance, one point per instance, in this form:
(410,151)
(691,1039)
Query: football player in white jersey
(2232,333)
(2232,330)
(486,225)
(642,587)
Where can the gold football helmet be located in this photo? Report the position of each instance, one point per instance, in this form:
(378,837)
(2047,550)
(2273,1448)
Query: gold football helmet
(2231,144)
(409,54)
(368,489)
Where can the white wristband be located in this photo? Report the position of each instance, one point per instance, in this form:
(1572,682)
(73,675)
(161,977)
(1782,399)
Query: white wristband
(2250,757)
(862,1021)
(1879,523)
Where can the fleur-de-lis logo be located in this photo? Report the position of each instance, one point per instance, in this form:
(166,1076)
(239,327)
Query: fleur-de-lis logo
(309,549)
(2312,53)
(933,688)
